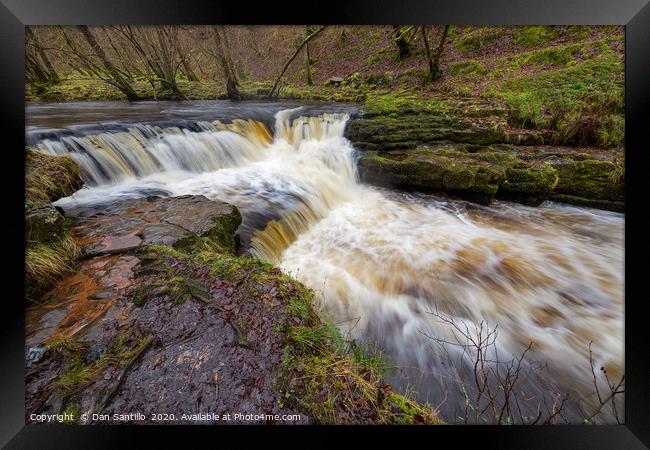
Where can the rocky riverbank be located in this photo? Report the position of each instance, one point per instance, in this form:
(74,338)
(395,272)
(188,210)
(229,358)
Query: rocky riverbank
(468,149)
(159,314)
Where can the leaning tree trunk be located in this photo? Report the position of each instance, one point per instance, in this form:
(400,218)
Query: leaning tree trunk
(288,63)
(309,79)
(46,70)
(115,76)
(232,85)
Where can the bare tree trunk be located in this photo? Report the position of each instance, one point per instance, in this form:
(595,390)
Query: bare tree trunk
(428,49)
(115,76)
(167,62)
(223,55)
(286,66)
(183,55)
(435,64)
(48,69)
(309,80)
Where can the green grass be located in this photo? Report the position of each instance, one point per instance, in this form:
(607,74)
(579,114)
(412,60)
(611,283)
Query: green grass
(565,99)
(46,263)
(533,36)
(49,178)
(476,40)
(468,67)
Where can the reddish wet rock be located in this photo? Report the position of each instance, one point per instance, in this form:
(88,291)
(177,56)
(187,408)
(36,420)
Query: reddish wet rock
(129,224)
(139,330)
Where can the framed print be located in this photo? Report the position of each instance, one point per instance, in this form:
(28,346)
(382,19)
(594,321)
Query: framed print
(411,218)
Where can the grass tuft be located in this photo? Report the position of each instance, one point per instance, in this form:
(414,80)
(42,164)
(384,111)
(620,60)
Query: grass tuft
(49,178)
(46,263)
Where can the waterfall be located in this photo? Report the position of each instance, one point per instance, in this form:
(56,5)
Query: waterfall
(145,150)
(387,266)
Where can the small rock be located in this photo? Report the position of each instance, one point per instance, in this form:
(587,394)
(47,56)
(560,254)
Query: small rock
(43,224)
(95,352)
(34,355)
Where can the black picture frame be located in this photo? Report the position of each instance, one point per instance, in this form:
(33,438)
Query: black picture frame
(15,14)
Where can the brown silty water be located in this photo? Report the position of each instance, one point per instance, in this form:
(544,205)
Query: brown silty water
(404,274)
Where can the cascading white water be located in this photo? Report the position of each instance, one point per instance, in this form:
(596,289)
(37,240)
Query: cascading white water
(382,262)
(144,150)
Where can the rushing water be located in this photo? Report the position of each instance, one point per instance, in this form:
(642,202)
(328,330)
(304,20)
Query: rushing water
(406,274)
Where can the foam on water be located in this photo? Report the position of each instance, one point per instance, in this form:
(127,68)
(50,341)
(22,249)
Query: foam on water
(387,267)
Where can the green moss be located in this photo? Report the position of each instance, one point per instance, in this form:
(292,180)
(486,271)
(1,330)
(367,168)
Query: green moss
(530,179)
(478,39)
(533,36)
(591,179)
(232,267)
(398,104)
(468,67)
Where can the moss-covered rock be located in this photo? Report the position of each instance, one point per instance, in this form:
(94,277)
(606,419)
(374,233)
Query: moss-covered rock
(591,179)
(475,176)
(480,173)
(199,323)
(409,131)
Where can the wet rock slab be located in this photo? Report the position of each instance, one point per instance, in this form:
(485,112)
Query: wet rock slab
(121,336)
(127,225)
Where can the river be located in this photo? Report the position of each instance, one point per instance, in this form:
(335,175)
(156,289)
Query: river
(408,275)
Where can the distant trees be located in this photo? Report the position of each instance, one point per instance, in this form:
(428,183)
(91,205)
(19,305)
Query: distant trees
(38,68)
(310,35)
(107,70)
(152,61)
(225,60)
(160,54)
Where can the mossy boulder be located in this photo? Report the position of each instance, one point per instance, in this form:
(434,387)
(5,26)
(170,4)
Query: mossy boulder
(177,222)
(533,179)
(480,173)
(591,179)
(43,224)
(465,174)
(409,131)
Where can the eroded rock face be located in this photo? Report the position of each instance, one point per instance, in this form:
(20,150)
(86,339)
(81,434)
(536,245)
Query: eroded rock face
(482,173)
(468,149)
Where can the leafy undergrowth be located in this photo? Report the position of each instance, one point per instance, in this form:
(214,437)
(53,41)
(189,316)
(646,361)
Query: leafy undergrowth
(328,379)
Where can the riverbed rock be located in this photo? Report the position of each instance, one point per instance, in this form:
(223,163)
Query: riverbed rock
(466,147)
(481,173)
(173,221)
(173,327)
